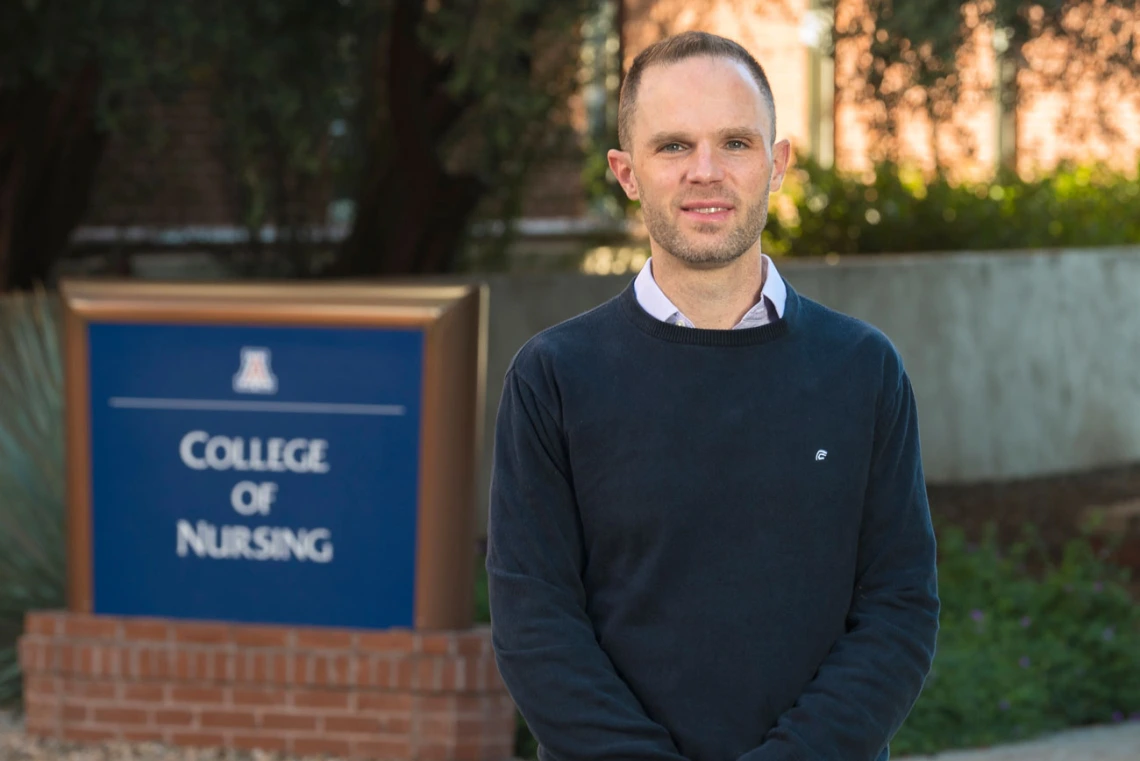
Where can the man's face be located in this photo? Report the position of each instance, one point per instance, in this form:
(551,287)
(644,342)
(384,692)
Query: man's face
(702,160)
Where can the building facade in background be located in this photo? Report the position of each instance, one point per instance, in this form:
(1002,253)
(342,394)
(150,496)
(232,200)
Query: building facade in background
(181,193)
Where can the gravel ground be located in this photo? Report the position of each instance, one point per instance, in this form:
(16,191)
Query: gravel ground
(16,746)
(1112,743)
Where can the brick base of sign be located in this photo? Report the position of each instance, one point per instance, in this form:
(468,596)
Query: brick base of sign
(366,695)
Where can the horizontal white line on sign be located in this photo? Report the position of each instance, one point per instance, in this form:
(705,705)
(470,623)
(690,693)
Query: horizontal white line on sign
(223,405)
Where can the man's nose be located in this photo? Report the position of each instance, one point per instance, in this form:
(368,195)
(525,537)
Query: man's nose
(705,165)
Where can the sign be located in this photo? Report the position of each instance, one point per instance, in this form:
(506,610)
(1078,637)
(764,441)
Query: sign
(274,454)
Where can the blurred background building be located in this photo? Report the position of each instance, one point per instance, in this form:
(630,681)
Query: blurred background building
(1047,102)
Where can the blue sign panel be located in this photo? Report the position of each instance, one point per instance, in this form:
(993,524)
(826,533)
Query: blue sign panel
(255,474)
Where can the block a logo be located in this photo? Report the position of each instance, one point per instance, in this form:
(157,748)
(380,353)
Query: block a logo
(255,375)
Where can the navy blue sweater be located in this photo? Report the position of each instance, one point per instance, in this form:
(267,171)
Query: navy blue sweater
(711,544)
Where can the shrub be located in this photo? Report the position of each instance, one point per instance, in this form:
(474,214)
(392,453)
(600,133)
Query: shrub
(1027,645)
(823,211)
(32,546)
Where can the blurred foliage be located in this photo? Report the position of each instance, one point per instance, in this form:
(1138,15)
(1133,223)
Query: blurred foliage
(824,211)
(600,83)
(472,97)
(428,116)
(1028,644)
(71,72)
(898,210)
(32,547)
(278,73)
(137,45)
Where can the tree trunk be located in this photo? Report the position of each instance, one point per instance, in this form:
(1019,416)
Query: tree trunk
(411,212)
(1009,99)
(49,151)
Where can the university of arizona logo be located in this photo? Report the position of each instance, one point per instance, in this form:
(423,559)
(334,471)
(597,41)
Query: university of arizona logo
(255,376)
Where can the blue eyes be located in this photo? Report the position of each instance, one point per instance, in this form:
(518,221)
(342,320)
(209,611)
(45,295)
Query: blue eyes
(735,145)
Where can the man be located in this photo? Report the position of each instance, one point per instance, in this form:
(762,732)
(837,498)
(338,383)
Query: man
(709,537)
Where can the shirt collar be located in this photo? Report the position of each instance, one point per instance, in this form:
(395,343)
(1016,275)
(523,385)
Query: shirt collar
(654,301)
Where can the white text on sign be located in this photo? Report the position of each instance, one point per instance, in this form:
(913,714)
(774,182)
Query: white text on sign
(201,451)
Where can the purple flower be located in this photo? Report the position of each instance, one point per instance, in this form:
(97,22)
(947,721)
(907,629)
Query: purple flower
(1004,705)
(1098,587)
(1117,716)
(1025,622)
(1134,716)
(1108,634)
(1024,662)
(977,615)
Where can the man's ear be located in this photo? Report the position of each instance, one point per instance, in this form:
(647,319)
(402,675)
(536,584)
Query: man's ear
(621,164)
(781,156)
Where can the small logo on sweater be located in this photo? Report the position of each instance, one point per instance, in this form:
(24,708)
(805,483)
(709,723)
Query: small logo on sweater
(821,455)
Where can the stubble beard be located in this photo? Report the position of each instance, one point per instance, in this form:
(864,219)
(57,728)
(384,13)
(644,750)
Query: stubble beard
(666,232)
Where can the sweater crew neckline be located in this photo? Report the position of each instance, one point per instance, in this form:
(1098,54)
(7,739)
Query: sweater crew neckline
(707,336)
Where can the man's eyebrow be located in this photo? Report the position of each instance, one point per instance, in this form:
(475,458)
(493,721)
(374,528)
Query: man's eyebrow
(664,138)
(748,132)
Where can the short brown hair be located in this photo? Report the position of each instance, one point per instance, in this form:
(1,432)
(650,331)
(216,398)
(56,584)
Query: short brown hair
(677,48)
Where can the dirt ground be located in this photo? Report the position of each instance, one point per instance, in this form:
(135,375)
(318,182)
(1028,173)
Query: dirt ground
(1055,505)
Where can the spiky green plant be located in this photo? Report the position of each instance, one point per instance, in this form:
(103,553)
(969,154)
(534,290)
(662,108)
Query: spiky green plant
(32,542)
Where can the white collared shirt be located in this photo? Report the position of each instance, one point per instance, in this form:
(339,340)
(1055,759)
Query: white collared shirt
(654,301)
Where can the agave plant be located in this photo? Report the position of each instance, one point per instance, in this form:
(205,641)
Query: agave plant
(32,541)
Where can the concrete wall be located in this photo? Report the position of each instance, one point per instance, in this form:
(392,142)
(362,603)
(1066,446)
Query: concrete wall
(1023,363)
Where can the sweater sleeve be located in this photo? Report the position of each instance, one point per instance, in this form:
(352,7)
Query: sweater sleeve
(871,679)
(561,680)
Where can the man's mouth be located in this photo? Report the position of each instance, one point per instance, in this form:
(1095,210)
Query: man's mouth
(709,210)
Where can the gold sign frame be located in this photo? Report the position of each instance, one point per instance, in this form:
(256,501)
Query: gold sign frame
(454,319)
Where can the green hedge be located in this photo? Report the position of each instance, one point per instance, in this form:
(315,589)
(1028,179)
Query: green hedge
(822,211)
(1027,645)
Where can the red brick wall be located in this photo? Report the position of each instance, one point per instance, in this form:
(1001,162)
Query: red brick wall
(767,30)
(178,176)
(178,180)
(183,180)
(555,190)
(1046,133)
(386,695)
